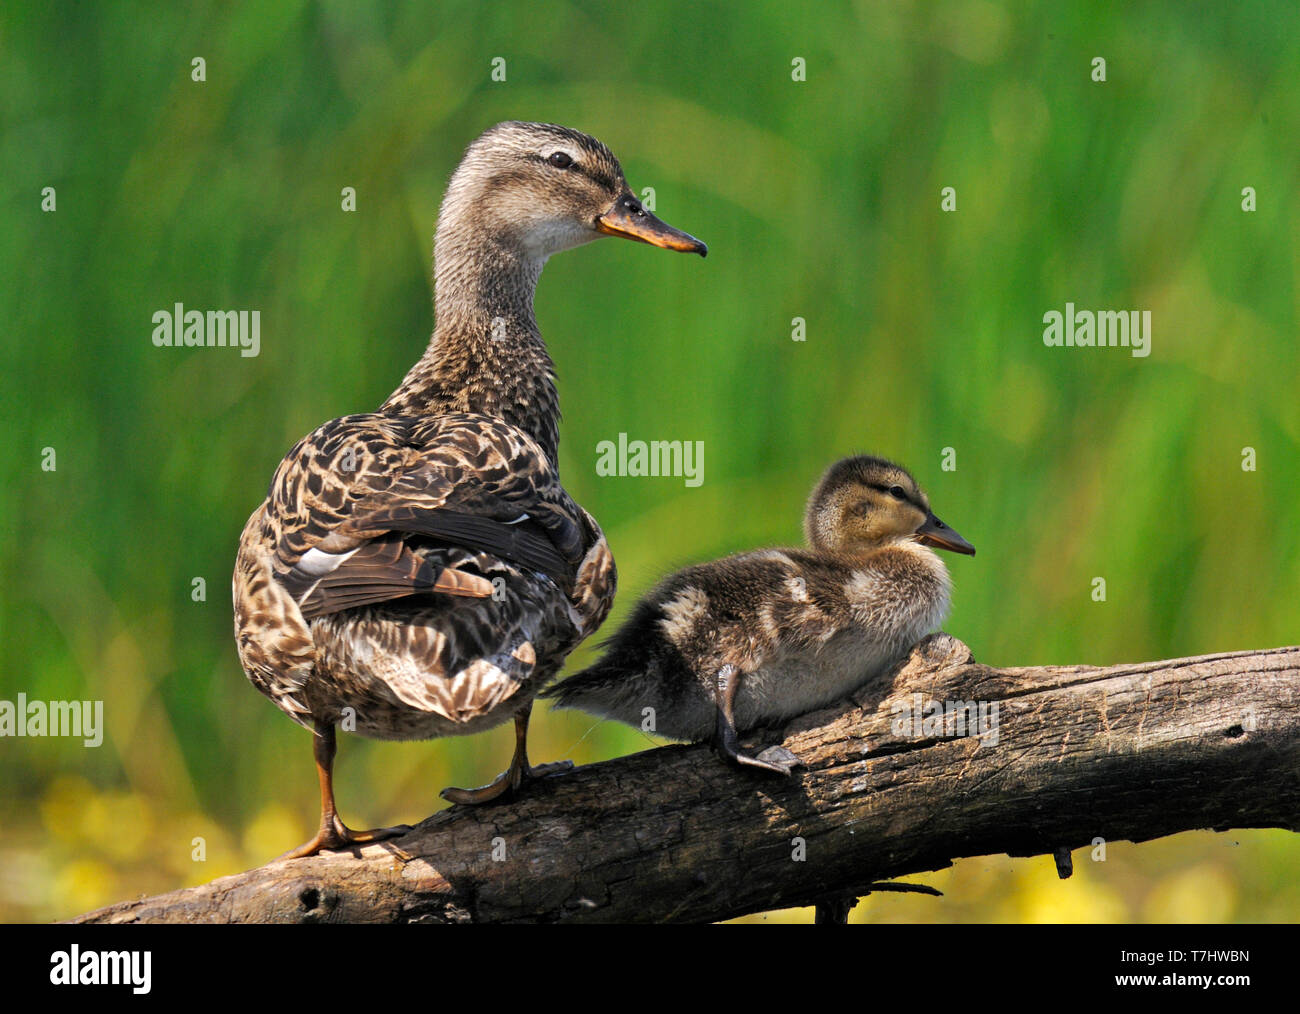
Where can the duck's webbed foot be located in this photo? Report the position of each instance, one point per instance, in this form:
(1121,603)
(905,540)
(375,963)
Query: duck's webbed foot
(776,759)
(513,778)
(336,835)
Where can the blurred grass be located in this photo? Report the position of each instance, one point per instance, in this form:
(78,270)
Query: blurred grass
(818,199)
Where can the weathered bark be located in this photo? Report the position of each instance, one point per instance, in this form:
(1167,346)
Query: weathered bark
(673,835)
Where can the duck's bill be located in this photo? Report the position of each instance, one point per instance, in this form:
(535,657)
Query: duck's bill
(627,218)
(935,533)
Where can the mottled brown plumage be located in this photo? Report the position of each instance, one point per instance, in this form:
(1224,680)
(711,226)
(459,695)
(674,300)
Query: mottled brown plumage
(420,571)
(757,638)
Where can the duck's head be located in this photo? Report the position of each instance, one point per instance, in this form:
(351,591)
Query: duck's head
(863,502)
(541,189)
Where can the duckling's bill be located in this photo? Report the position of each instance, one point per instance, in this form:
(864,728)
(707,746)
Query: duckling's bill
(628,218)
(935,533)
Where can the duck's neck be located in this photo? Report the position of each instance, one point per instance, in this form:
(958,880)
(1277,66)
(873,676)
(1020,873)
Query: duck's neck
(486,354)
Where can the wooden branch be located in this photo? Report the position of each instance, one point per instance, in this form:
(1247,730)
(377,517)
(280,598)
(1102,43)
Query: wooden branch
(673,835)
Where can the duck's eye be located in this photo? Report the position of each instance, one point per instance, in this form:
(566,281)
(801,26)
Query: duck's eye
(560,160)
(898,493)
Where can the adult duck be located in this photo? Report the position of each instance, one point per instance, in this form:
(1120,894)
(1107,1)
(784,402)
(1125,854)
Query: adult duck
(419,571)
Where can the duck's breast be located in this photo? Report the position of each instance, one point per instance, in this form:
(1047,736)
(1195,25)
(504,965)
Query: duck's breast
(794,682)
(852,623)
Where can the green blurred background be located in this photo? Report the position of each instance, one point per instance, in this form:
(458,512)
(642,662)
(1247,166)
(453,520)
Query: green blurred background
(819,199)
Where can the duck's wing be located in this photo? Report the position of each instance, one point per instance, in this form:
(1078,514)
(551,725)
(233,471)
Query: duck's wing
(374,571)
(359,501)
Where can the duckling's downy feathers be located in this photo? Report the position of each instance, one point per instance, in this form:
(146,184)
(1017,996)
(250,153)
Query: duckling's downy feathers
(803,628)
(758,638)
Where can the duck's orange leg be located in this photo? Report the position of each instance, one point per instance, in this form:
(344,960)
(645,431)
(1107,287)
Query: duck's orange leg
(333,833)
(514,776)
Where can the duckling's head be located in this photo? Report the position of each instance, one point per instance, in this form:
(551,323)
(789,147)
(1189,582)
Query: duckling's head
(863,502)
(541,189)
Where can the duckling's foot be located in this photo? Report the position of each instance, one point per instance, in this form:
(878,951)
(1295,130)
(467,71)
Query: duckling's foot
(513,778)
(781,758)
(776,759)
(336,835)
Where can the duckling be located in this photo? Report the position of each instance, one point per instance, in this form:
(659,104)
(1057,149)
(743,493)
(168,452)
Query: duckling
(754,639)
(420,571)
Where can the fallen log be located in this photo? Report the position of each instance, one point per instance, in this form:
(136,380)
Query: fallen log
(938,759)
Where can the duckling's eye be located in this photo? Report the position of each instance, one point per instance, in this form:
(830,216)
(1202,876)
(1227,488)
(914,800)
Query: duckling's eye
(898,493)
(560,160)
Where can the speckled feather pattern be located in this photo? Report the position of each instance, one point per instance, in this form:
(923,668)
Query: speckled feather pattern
(408,666)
